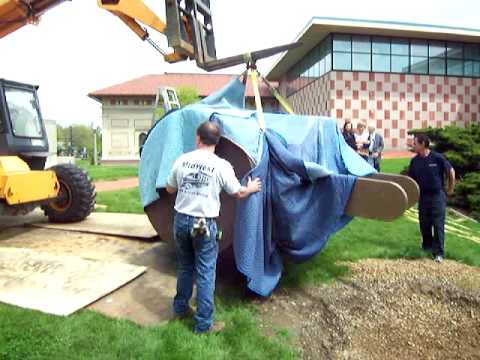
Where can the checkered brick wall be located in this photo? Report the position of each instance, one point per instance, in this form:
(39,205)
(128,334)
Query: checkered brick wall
(395,103)
(313,99)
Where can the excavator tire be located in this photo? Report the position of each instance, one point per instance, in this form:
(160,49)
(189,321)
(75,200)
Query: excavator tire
(76,197)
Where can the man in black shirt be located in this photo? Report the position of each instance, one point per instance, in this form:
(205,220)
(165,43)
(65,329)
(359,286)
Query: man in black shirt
(428,169)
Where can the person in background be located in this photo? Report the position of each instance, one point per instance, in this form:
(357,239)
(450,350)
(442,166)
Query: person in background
(428,168)
(375,147)
(361,139)
(349,135)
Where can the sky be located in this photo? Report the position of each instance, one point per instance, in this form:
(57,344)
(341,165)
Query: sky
(78,48)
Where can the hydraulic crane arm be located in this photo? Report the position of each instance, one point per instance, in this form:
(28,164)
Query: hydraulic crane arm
(15,14)
(189,27)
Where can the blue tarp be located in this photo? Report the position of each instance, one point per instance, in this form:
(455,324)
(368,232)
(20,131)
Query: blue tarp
(307,169)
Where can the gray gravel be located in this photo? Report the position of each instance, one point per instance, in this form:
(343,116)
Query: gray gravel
(385,310)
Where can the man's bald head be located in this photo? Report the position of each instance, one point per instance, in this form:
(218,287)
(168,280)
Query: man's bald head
(208,133)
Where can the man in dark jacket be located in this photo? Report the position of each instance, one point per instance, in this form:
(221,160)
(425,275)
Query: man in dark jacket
(428,169)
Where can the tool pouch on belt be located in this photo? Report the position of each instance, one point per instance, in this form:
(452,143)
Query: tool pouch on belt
(200,228)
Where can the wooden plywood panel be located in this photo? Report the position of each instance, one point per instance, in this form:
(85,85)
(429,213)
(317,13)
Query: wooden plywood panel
(56,284)
(127,225)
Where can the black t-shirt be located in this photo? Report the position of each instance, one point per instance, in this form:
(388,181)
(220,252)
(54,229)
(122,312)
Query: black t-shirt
(429,172)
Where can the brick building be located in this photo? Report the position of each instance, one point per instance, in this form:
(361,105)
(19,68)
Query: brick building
(127,108)
(399,76)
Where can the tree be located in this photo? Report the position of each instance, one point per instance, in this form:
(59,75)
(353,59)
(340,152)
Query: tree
(74,138)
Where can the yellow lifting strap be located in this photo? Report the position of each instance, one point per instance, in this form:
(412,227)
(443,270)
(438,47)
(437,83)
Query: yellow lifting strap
(254,76)
(258,99)
(282,101)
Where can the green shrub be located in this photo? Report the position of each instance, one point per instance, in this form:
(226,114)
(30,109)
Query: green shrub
(467,193)
(461,146)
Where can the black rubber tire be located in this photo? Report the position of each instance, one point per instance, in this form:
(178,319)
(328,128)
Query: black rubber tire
(81,195)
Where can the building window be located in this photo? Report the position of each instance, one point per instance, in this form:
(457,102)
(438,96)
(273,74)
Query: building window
(342,52)
(314,65)
(384,54)
(472,60)
(141,140)
(419,56)
(400,56)
(454,59)
(381,54)
(361,53)
(437,58)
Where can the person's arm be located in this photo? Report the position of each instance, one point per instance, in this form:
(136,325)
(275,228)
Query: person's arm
(451,181)
(411,173)
(232,186)
(379,145)
(171,189)
(252,187)
(172,184)
(450,173)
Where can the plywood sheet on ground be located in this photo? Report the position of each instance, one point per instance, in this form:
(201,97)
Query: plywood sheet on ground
(55,284)
(15,221)
(128,225)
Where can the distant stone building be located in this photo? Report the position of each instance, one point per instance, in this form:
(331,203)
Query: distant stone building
(127,108)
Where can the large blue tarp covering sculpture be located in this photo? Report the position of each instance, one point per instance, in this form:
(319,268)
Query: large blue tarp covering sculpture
(307,169)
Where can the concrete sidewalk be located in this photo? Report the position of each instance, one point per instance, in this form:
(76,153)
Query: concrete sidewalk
(128,183)
(397,154)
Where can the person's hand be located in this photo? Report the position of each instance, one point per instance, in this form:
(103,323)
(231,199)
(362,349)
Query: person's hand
(375,155)
(254,185)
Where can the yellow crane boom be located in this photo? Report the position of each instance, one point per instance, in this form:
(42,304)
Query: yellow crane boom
(189,27)
(15,14)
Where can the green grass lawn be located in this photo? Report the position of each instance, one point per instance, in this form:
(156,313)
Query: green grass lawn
(87,335)
(108,172)
(394,166)
(120,201)
(29,335)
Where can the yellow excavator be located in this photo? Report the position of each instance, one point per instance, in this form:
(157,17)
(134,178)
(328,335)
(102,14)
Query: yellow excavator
(65,192)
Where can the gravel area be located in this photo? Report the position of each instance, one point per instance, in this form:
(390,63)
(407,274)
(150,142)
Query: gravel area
(384,310)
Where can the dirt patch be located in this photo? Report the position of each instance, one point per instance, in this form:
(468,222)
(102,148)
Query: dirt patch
(386,309)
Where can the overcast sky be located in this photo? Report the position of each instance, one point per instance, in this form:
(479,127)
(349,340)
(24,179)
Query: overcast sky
(78,48)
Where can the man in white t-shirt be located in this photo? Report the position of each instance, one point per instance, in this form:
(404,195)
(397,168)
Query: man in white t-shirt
(198,177)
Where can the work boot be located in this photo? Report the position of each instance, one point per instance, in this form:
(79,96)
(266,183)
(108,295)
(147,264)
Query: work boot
(438,259)
(187,314)
(214,329)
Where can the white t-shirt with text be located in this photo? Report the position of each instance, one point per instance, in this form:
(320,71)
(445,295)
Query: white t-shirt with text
(199,177)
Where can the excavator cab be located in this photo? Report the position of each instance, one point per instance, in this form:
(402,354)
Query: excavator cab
(22,130)
(64,192)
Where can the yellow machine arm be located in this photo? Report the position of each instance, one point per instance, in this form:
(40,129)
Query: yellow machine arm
(189,27)
(15,14)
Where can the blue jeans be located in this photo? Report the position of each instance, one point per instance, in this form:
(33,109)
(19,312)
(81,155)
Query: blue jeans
(196,259)
(431,210)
